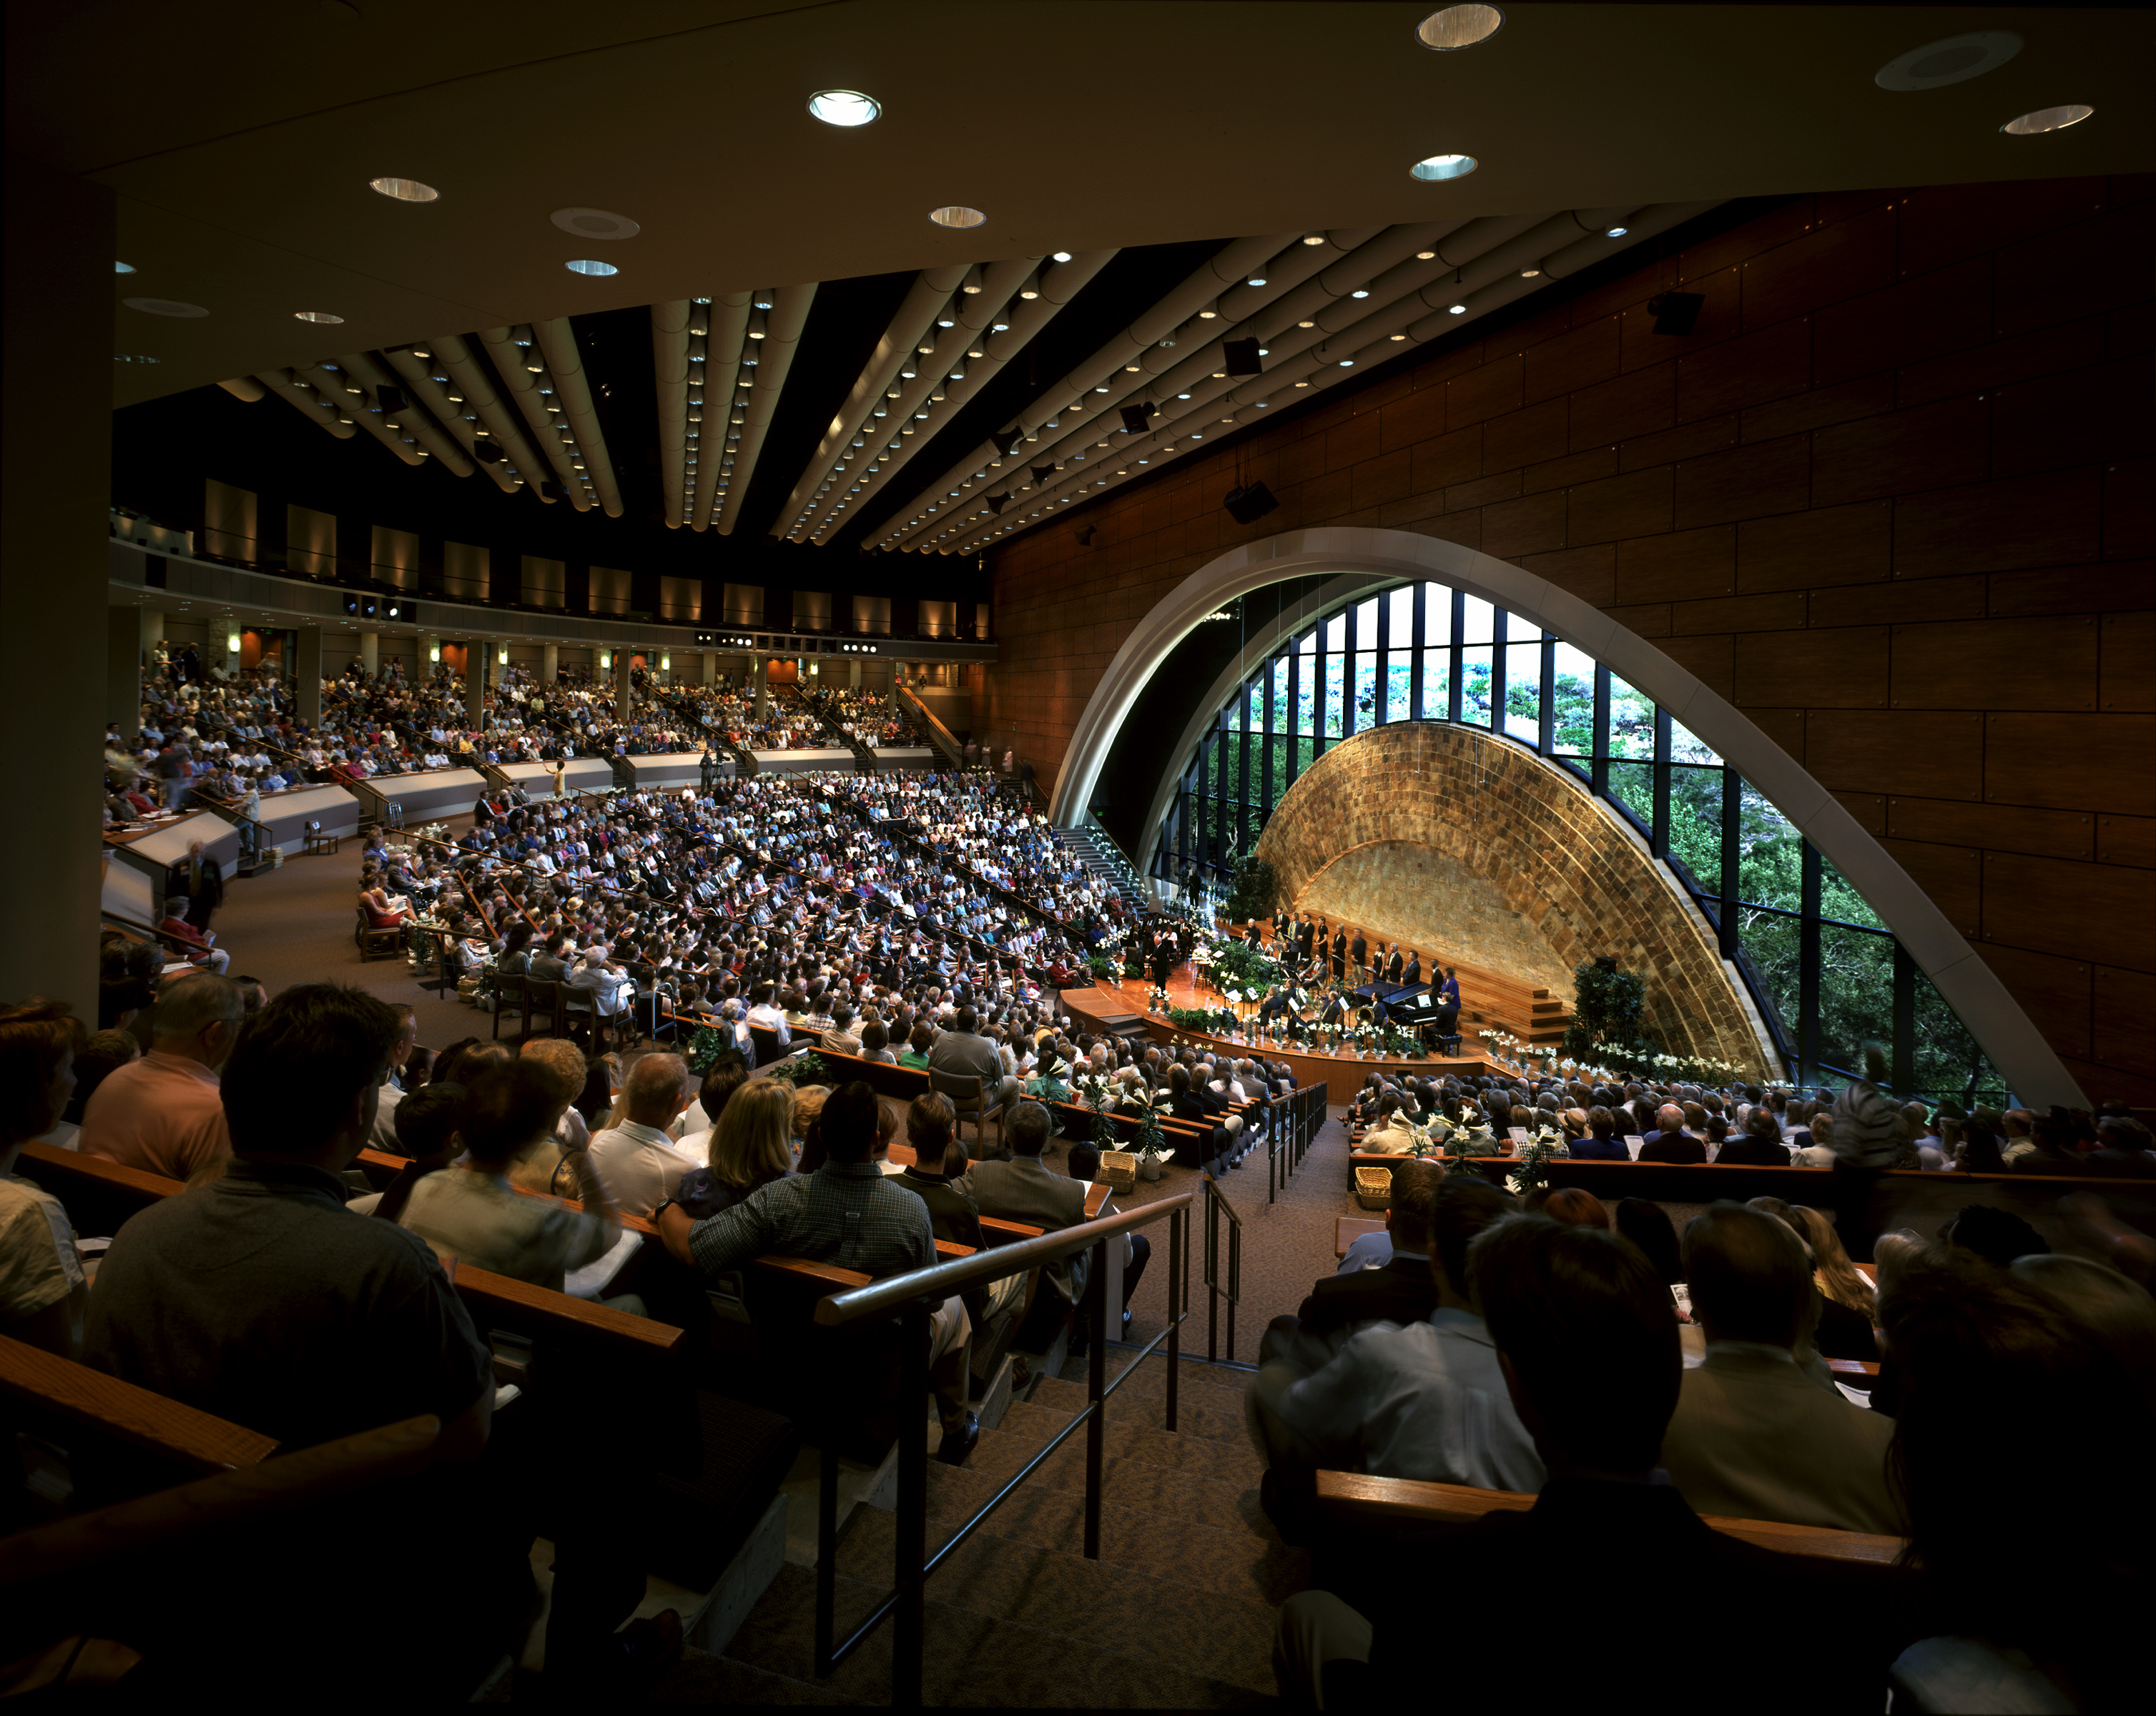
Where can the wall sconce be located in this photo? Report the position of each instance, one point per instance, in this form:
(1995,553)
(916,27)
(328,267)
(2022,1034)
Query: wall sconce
(606,661)
(815,668)
(666,663)
(435,652)
(502,655)
(232,642)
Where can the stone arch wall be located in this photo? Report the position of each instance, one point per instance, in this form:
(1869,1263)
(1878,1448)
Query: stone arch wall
(1517,845)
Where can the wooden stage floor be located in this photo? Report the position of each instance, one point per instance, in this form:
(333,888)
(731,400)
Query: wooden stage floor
(1342,1075)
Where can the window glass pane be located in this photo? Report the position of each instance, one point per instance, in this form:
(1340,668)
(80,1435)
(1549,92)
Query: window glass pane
(1520,631)
(1632,785)
(1401,603)
(1436,684)
(1631,721)
(1475,621)
(1523,691)
(1696,825)
(1336,632)
(1838,899)
(1436,614)
(1334,675)
(1688,747)
(1308,644)
(1856,994)
(1770,947)
(1770,872)
(1475,686)
(1574,716)
(1948,1063)
(1366,624)
(1282,719)
(1367,713)
(1400,681)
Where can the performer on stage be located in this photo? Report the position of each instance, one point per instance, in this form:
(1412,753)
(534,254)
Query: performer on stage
(1394,966)
(1340,953)
(1413,975)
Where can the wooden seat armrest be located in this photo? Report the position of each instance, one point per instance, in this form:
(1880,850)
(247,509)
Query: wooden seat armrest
(946,1249)
(80,1165)
(634,1224)
(1016,1230)
(1096,1196)
(503,1296)
(1347,1229)
(827,1276)
(121,1411)
(1853,1367)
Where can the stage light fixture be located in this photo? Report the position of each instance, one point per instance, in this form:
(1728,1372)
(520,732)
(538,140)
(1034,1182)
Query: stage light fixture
(1249,503)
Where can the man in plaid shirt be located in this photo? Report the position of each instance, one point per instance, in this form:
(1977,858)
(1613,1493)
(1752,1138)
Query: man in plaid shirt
(848,1213)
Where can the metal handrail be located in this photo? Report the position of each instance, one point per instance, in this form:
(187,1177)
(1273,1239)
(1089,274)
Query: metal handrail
(952,750)
(1216,1202)
(911,1297)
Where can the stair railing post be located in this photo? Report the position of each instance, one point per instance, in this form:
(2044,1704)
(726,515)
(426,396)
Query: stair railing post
(1235,1281)
(1175,1280)
(1209,1275)
(909,1621)
(1096,1379)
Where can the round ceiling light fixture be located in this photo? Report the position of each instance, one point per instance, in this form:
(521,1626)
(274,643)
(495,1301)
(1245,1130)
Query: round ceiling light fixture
(585,265)
(957,217)
(2047,118)
(315,315)
(404,190)
(1617,231)
(594,224)
(1953,60)
(164,306)
(1453,28)
(845,108)
(1062,256)
(1433,167)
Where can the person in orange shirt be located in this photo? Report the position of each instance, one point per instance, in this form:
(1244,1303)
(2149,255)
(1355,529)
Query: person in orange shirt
(164,1114)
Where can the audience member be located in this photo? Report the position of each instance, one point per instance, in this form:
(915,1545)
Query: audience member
(44,1288)
(162,1114)
(635,1158)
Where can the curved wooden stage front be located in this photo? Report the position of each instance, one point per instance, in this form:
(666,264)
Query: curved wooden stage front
(1108,1004)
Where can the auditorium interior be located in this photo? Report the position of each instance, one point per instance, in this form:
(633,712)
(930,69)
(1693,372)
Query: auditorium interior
(970,911)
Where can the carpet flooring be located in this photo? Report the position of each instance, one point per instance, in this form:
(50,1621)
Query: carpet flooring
(293,926)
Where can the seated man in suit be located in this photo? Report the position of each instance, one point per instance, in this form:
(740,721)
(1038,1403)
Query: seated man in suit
(1754,1438)
(1024,1189)
(1758,1146)
(1669,1142)
(847,1212)
(1402,1291)
(1185,1103)
(1582,1327)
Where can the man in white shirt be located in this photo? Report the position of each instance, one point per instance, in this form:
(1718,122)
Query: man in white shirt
(1426,1402)
(767,1013)
(637,1160)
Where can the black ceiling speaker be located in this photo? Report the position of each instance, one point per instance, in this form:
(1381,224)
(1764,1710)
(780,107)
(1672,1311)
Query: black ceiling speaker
(997,503)
(1005,440)
(1676,312)
(1134,415)
(1086,535)
(488,452)
(1041,473)
(1242,357)
(392,400)
(1248,504)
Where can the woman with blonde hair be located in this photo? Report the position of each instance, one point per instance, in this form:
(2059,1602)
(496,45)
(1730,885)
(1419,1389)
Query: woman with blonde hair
(751,1147)
(1849,1308)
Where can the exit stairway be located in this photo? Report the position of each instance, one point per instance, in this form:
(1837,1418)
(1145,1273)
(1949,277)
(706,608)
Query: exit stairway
(1177,1611)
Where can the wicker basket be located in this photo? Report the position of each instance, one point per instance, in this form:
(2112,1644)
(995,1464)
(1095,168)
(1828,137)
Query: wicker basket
(1374,1188)
(1119,1170)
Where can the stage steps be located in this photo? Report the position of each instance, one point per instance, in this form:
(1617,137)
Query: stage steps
(1177,1611)
(1099,855)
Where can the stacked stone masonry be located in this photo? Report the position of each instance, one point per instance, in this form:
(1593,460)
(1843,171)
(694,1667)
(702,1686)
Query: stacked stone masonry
(1553,860)
(1893,497)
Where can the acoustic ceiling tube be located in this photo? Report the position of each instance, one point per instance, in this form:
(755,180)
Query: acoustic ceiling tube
(572,387)
(1228,266)
(669,369)
(416,375)
(919,395)
(306,401)
(1058,285)
(929,297)
(412,420)
(475,382)
(728,315)
(789,314)
(332,385)
(1489,281)
(245,388)
(522,385)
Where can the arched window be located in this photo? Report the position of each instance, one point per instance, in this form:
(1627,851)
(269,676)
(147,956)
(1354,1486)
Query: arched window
(1825,973)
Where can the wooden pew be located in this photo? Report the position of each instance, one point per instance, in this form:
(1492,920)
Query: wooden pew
(1353,1494)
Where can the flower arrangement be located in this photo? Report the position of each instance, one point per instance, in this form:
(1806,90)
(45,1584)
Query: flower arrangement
(1641,1057)
(1545,1146)
(805,1068)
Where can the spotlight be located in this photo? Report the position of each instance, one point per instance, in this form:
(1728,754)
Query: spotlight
(1247,504)
(1241,357)
(1676,312)
(1134,415)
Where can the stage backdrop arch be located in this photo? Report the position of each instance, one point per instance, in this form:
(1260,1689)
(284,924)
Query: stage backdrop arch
(1365,559)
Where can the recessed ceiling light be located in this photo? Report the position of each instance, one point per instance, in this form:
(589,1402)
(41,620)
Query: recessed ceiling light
(316,315)
(123,268)
(1457,27)
(1426,256)
(1062,256)
(1313,238)
(1618,232)
(1347,363)
(1954,60)
(585,265)
(164,306)
(956,216)
(1397,337)
(1360,292)
(2046,119)
(134,358)
(845,108)
(404,190)
(594,224)
(1457,310)
(1529,274)
(1443,166)
(1257,279)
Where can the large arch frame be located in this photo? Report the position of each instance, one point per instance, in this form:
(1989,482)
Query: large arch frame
(1360,558)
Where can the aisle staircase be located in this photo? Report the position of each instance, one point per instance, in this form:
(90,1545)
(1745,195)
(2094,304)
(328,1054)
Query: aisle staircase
(1089,843)
(1177,1612)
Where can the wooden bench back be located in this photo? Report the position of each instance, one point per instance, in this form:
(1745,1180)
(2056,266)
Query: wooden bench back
(1354,1494)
